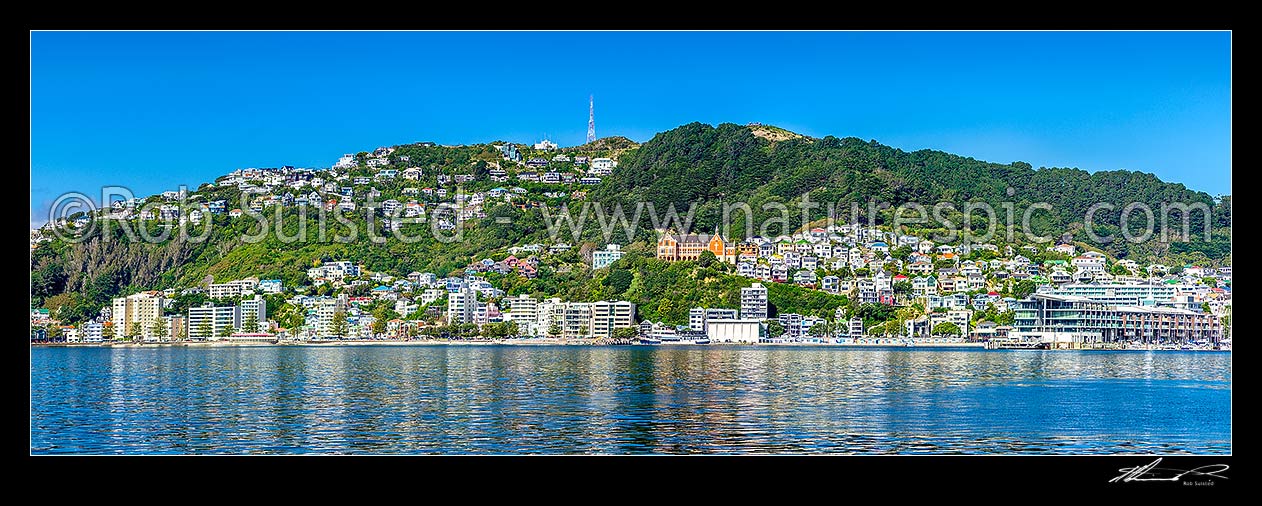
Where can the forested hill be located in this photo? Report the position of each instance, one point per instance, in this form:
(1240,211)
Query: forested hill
(692,164)
(701,164)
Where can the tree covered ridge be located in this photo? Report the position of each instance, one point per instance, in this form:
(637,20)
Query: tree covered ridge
(701,164)
(694,163)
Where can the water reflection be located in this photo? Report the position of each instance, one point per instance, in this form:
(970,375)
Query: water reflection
(486,399)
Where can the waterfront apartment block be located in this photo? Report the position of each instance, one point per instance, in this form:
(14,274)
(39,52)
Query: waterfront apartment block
(462,306)
(134,314)
(1069,319)
(855,329)
(255,309)
(325,310)
(93,332)
(522,309)
(699,316)
(754,302)
(576,321)
(550,312)
(1121,295)
(608,315)
(210,322)
(792,323)
(573,319)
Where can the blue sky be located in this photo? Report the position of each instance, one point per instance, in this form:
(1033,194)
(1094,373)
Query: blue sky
(153,110)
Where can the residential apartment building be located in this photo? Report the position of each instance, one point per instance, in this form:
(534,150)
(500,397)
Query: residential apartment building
(522,309)
(754,302)
(577,320)
(1121,295)
(699,317)
(210,322)
(548,313)
(326,310)
(609,255)
(608,315)
(1066,318)
(255,308)
(792,323)
(462,306)
(855,328)
(136,313)
(92,332)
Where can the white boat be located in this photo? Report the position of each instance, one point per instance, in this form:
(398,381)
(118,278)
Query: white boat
(669,337)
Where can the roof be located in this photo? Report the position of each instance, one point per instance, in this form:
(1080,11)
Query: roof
(1062,298)
(1163,310)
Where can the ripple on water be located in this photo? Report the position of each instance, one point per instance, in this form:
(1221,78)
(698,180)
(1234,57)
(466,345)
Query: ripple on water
(625,400)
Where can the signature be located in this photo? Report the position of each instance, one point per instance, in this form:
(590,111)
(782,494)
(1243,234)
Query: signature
(1151,472)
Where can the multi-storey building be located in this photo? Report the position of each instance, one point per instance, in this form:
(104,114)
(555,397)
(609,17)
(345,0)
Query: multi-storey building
(855,329)
(326,311)
(754,302)
(548,313)
(675,247)
(210,322)
(522,309)
(609,315)
(92,332)
(609,255)
(255,309)
(792,323)
(576,321)
(462,306)
(135,314)
(1121,295)
(1067,318)
(699,317)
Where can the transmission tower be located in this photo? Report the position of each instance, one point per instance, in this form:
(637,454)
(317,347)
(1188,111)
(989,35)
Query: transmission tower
(591,118)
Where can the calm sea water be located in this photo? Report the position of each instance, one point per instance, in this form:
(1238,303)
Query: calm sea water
(626,400)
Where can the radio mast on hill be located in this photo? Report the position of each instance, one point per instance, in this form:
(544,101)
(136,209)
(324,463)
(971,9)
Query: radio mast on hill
(591,118)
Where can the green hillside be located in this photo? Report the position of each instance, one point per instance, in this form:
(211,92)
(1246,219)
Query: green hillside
(704,165)
(665,291)
(692,164)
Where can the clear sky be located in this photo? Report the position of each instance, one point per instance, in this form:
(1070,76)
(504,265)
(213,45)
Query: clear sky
(152,110)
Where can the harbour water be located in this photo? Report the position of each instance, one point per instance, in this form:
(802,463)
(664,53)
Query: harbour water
(626,400)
